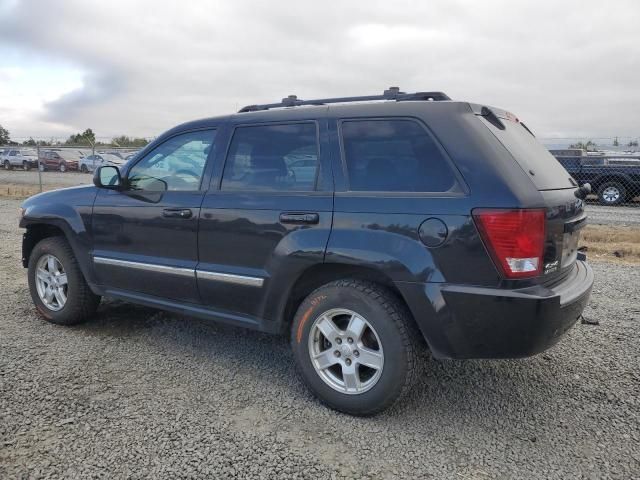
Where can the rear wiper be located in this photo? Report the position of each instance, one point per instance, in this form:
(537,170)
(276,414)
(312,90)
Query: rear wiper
(527,129)
(583,191)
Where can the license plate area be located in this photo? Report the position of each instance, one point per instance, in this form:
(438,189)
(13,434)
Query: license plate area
(570,241)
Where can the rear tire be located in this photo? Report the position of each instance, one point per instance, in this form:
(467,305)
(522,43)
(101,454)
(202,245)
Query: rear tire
(54,268)
(25,166)
(612,193)
(388,340)
(7,165)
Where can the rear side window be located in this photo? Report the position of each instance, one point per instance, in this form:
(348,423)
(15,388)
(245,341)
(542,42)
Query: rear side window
(394,156)
(272,157)
(548,173)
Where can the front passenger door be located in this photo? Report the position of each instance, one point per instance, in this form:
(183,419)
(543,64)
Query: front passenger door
(267,219)
(145,235)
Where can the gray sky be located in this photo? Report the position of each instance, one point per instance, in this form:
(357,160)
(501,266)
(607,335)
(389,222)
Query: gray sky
(567,68)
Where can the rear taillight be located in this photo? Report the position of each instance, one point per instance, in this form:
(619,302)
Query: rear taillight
(514,238)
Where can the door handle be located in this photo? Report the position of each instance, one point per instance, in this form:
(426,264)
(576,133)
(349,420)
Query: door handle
(310,218)
(177,213)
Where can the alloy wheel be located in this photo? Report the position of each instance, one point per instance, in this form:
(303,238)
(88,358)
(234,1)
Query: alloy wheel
(51,282)
(346,351)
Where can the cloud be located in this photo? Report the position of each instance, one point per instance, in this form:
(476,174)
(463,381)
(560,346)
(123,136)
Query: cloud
(97,88)
(568,68)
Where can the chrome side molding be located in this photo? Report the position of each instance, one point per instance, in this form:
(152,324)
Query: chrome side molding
(230,278)
(185,272)
(149,267)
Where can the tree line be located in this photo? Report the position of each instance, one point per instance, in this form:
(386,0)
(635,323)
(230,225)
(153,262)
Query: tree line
(591,146)
(86,139)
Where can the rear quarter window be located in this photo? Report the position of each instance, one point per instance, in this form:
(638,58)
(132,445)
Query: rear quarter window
(394,155)
(531,155)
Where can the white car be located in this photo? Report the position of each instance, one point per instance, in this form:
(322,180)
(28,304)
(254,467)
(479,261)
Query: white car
(91,162)
(18,157)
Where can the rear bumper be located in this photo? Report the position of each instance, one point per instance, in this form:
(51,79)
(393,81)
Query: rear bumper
(477,322)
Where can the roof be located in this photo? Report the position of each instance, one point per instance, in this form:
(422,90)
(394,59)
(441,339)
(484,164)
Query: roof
(292,108)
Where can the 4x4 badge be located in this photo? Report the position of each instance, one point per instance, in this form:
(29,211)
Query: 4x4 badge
(550,267)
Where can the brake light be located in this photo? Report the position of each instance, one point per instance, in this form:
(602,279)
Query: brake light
(514,238)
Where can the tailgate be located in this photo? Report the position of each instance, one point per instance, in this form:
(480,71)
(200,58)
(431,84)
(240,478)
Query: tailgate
(565,220)
(565,215)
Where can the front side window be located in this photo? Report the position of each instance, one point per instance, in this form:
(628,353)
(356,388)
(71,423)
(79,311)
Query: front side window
(175,165)
(272,157)
(394,156)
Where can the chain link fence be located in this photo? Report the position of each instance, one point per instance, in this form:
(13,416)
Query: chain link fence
(29,169)
(614,177)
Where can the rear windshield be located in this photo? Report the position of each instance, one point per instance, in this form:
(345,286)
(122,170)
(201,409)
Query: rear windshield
(531,156)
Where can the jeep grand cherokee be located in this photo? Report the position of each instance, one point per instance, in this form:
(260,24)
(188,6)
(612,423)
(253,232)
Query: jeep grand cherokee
(362,227)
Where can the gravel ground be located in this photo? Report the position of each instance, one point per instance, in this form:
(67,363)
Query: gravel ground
(622,216)
(139,393)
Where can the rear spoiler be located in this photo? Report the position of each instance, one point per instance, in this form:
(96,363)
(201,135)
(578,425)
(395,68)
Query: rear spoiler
(495,116)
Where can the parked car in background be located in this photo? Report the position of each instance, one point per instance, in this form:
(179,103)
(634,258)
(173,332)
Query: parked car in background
(131,155)
(614,178)
(91,162)
(23,158)
(3,152)
(417,220)
(59,159)
(302,168)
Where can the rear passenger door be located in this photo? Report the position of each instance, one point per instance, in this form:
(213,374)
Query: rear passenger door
(266,217)
(392,175)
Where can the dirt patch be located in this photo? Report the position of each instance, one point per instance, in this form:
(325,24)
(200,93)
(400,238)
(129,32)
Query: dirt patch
(23,191)
(612,243)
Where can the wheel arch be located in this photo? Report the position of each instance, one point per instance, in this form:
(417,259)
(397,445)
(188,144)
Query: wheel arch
(38,231)
(320,274)
(612,177)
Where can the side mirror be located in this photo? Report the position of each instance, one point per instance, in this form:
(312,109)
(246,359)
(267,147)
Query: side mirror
(107,176)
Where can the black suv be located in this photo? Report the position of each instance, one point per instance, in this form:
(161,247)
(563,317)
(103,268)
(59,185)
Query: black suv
(361,227)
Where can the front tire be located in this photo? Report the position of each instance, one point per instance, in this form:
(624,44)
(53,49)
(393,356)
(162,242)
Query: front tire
(58,288)
(63,167)
(612,193)
(25,166)
(7,165)
(356,346)
(84,169)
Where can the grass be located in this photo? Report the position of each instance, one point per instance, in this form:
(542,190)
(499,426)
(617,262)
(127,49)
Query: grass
(618,244)
(23,191)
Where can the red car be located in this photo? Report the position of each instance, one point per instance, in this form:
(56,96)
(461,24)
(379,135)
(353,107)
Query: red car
(62,160)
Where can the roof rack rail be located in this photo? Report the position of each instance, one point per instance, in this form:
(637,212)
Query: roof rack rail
(393,93)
